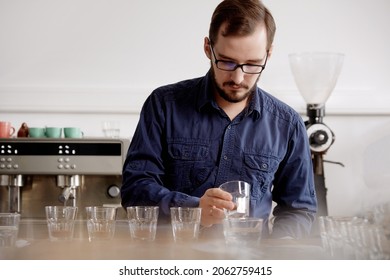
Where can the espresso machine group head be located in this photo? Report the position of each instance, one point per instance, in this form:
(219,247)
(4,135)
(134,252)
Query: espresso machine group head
(316,74)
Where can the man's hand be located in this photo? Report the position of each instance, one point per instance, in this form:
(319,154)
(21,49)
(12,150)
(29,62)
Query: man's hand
(212,203)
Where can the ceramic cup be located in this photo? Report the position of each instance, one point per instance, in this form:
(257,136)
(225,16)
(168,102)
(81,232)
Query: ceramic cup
(6,130)
(73,132)
(36,132)
(53,132)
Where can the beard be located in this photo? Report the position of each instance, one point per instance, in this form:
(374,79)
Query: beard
(233,96)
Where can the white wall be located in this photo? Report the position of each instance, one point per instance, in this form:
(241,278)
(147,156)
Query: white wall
(79,62)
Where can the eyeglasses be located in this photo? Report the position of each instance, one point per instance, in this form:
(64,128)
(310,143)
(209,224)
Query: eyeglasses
(232,66)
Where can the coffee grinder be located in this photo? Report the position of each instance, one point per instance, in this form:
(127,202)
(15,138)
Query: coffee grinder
(315,75)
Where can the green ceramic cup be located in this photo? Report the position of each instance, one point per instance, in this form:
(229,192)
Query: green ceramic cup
(53,132)
(73,132)
(36,132)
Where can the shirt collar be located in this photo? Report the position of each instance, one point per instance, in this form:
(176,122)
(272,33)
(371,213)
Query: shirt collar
(255,104)
(205,98)
(205,95)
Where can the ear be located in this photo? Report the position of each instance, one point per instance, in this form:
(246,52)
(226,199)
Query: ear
(270,51)
(206,47)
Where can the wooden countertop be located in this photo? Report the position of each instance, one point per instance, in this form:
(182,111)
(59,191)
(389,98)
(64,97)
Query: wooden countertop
(34,244)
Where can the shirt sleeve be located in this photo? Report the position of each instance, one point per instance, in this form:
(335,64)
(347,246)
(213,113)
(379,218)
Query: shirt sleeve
(294,190)
(143,170)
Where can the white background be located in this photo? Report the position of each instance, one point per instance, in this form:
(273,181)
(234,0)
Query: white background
(284,269)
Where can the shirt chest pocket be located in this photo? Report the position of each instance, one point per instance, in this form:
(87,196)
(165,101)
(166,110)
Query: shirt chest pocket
(260,171)
(188,152)
(189,165)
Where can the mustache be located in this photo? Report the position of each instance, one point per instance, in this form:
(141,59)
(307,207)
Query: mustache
(232,83)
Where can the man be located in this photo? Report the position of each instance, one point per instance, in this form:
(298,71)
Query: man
(197,134)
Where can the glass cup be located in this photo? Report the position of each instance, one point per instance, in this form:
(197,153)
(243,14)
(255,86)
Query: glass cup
(143,222)
(9,227)
(243,231)
(111,129)
(240,192)
(381,214)
(185,223)
(340,241)
(60,222)
(100,222)
(324,231)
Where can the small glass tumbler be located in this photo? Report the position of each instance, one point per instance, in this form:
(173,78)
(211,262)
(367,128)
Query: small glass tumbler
(143,222)
(60,222)
(240,192)
(185,223)
(100,222)
(111,129)
(9,228)
(243,231)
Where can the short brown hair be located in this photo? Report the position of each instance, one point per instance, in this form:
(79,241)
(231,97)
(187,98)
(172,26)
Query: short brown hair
(241,18)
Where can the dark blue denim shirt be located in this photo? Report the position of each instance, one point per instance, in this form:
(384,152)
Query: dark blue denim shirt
(185,144)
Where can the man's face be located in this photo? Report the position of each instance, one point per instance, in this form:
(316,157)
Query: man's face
(232,92)
(236,86)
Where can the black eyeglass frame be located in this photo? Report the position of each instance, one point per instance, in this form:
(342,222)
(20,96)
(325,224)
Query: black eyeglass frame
(238,65)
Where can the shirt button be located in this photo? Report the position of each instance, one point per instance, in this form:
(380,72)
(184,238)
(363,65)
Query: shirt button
(229,127)
(225,157)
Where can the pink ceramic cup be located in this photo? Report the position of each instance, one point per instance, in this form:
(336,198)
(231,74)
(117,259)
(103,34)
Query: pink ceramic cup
(6,130)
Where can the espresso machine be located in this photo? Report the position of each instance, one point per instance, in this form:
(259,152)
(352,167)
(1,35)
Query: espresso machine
(316,75)
(35,172)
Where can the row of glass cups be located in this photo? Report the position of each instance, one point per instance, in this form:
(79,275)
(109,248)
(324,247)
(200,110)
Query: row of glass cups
(361,238)
(101,223)
(238,227)
(142,220)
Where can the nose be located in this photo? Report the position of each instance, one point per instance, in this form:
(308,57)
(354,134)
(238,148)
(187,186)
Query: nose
(237,76)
